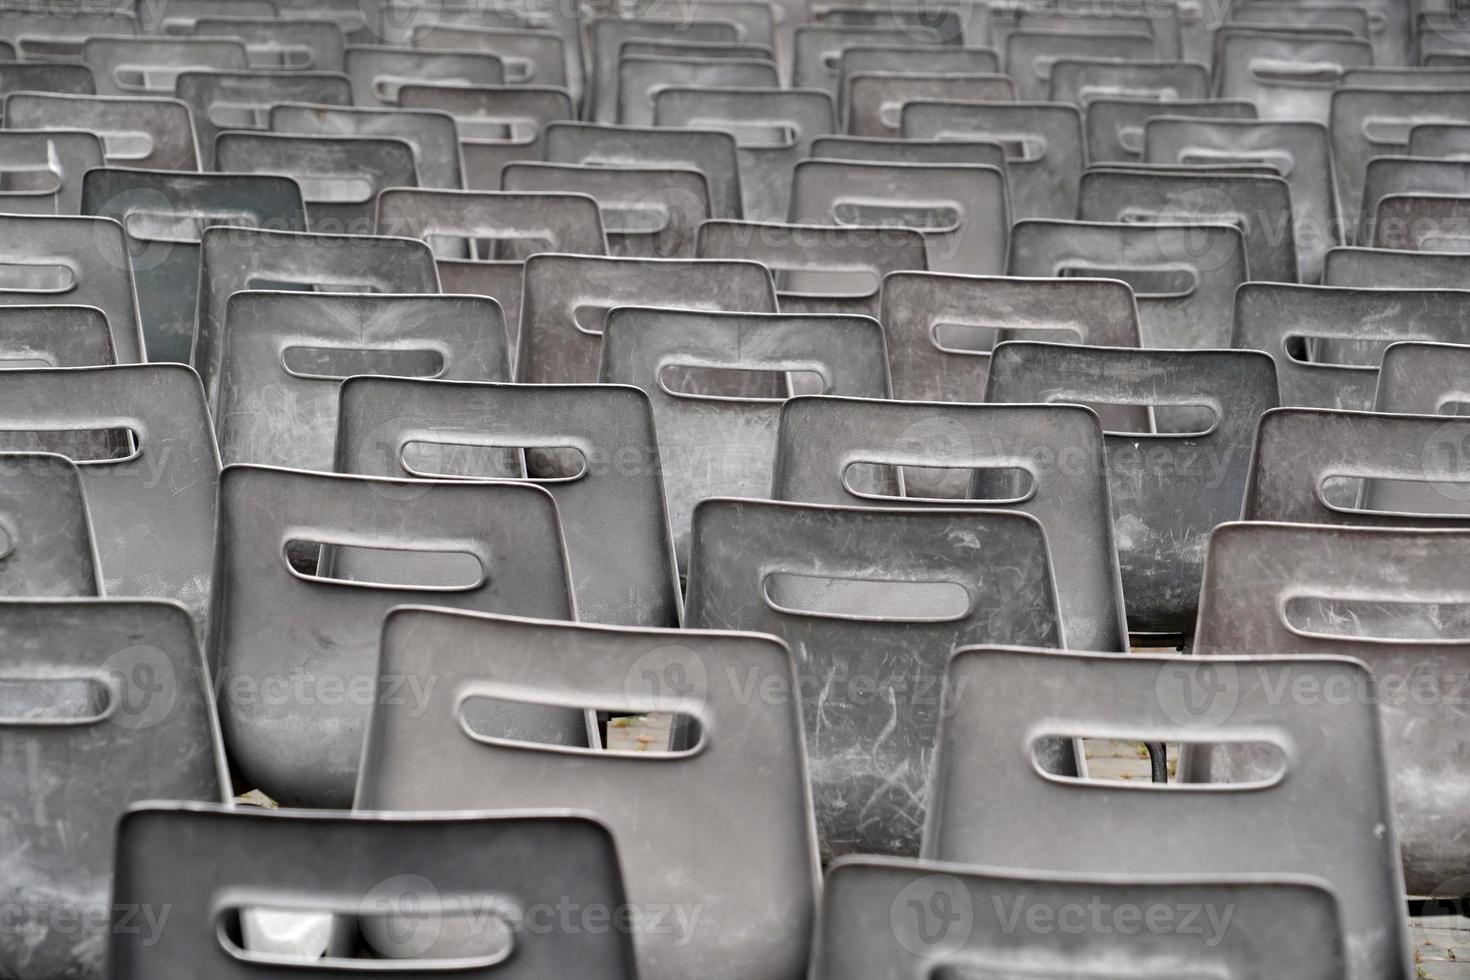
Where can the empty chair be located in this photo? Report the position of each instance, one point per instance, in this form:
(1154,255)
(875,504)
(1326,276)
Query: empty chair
(225,100)
(1160,24)
(378,72)
(39,33)
(817,49)
(1445,141)
(1327,341)
(988,790)
(1283,73)
(1053,455)
(295,652)
(1368,123)
(283,355)
(530,56)
(642,77)
(48,530)
(957,916)
(940,329)
(1413,176)
(1422,379)
(961,210)
(54,336)
(497,124)
(408,21)
(142,437)
(1300,151)
(154,133)
(762,922)
(1082,81)
(1169,490)
(612,513)
(1031,54)
(483,237)
(1259,205)
(1315,466)
(271,42)
(78,261)
(44,169)
(707,150)
(875,600)
(340,176)
(881,149)
(1423,222)
(566,299)
(773,129)
(648,212)
(397,872)
(755,20)
(918,59)
(133,65)
(164,215)
(43,76)
(183,16)
(819,268)
(1184,276)
(1375,595)
(872,101)
(717,437)
(1115,125)
(1345,266)
(432,135)
(107,703)
(607,35)
(1265,16)
(1043,180)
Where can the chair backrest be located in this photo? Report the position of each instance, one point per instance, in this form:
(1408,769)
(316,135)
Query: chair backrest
(641,77)
(914,59)
(1300,151)
(164,216)
(872,101)
(819,268)
(141,437)
(817,576)
(223,100)
(431,135)
(61,78)
(151,133)
(1400,470)
(708,150)
(650,212)
(54,336)
(881,149)
(1346,266)
(940,329)
(379,72)
(612,511)
(960,209)
(1368,123)
(529,56)
(566,299)
(1169,489)
(1031,54)
(340,176)
(413,875)
(1043,181)
(1259,205)
(1346,331)
(106,703)
(1058,448)
(1184,276)
(910,920)
(1283,73)
(61,155)
(285,354)
(59,34)
(720,442)
(232,259)
(78,261)
(1374,595)
(1423,222)
(796,116)
(607,35)
(48,543)
(1083,80)
(1422,379)
(498,124)
(1445,141)
(293,652)
(130,66)
(1115,124)
(680,821)
(988,790)
(1398,175)
(817,49)
(272,42)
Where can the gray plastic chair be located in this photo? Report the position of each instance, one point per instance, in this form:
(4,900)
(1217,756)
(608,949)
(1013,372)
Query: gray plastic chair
(719,440)
(498,124)
(529,56)
(77,261)
(708,150)
(49,550)
(989,791)
(58,34)
(817,49)
(134,66)
(1400,175)
(45,169)
(242,99)
(1082,81)
(294,652)
(872,101)
(607,35)
(106,703)
(41,76)
(284,355)
(54,336)
(1184,276)
(1422,379)
(819,268)
(144,451)
(641,77)
(149,133)
(272,42)
(1115,125)
(648,212)
(431,135)
(1031,54)
(164,216)
(566,299)
(395,871)
(1169,489)
(1290,590)
(1395,267)
(1288,76)
(1054,453)
(909,920)
(612,511)
(1423,222)
(1345,330)
(379,72)
(677,854)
